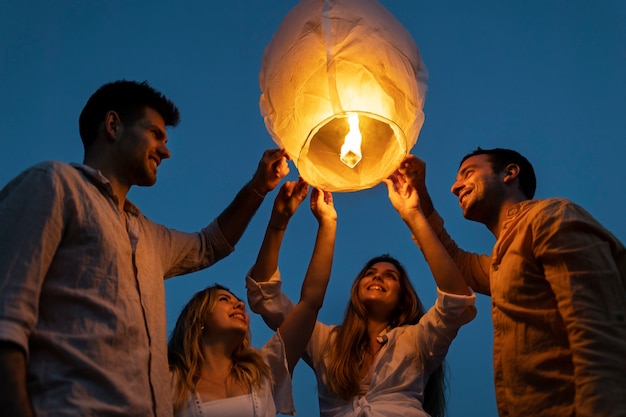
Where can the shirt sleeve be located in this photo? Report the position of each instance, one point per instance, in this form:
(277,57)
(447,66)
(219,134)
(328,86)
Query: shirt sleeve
(268,300)
(31,226)
(190,252)
(274,353)
(579,256)
(439,326)
(473,266)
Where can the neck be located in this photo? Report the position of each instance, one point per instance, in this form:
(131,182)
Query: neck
(218,360)
(495,226)
(120,188)
(375,327)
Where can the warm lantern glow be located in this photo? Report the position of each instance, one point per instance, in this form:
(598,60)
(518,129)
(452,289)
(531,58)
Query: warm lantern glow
(337,73)
(351,148)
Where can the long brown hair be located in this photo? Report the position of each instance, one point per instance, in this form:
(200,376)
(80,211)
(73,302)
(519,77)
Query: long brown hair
(351,341)
(186,355)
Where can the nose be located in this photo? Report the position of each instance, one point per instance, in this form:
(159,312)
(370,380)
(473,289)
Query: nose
(377,277)
(239,305)
(456,188)
(163,151)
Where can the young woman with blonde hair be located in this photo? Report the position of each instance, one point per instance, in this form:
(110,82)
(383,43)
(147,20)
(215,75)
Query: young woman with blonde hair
(215,370)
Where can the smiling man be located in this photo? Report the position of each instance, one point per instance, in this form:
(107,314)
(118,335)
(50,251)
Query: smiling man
(82,300)
(557,281)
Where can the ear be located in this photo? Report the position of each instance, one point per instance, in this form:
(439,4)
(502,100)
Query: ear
(510,173)
(112,124)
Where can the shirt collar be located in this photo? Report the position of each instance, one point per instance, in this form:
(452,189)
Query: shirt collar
(95,176)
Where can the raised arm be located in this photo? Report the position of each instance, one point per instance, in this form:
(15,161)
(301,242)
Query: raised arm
(405,200)
(235,218)
(299,323)
(286,203)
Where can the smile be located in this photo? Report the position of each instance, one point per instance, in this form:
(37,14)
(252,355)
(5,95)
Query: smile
(463,196)
(238,316)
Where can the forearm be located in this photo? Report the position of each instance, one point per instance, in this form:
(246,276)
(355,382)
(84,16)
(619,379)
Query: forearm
(267,259)
(14,398)
(474,267)
(446,273)
(318,271)
(236,217)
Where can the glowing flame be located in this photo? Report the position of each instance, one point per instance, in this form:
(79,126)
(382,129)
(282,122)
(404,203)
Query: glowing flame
(351,148)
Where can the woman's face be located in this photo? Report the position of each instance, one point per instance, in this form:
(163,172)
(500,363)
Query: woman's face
(228,313)
(380,288)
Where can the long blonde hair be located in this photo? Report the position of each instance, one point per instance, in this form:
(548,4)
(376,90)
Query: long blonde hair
(186,355)
(351,341)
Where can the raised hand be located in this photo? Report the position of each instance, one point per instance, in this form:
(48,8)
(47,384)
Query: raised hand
(289,198)
(414,170)
(402,195)
(271,170)
(322,206)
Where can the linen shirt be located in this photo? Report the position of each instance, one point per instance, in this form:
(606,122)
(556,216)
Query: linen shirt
(400,371)
(557,282)
(269,398)
(84,296)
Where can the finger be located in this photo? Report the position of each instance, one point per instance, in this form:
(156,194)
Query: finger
(288,188)
(328,197)
(390,186)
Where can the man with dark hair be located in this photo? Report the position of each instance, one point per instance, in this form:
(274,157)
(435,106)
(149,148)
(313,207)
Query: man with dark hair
(82,300)
(557,281)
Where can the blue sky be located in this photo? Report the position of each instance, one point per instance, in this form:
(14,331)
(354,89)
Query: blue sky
(543,77)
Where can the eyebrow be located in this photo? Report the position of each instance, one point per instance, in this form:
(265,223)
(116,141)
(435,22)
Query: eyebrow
(384,270)
(229,295)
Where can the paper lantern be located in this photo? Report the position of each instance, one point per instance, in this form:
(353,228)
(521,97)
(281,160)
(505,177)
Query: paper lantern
(342,90)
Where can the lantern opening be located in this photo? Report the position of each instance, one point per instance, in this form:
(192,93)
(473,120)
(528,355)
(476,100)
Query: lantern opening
(320,156)
(351,148)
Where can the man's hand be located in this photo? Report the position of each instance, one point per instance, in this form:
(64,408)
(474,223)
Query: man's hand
(414,170)
(272,168)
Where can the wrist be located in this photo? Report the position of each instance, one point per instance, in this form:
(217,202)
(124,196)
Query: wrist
(256,191)
(276,227)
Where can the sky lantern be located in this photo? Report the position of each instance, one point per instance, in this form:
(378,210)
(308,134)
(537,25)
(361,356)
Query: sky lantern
(342,90)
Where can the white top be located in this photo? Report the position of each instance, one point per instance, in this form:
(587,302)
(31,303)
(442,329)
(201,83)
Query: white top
(240,406)
(396,380)
(265,401)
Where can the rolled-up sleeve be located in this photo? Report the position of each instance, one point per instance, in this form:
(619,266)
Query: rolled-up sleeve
(440,325)
(31,226)
(268,300)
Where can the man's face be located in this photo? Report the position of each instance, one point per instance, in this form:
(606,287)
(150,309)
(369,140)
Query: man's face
(142,147)
(479,189)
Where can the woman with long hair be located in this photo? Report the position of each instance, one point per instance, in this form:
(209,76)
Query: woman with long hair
(214,368)
(386,357)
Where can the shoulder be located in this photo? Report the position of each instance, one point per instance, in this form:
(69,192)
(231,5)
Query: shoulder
(557,208)
(43,175)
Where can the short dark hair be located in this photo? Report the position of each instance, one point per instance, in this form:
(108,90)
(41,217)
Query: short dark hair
(128,99)
(500,158)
